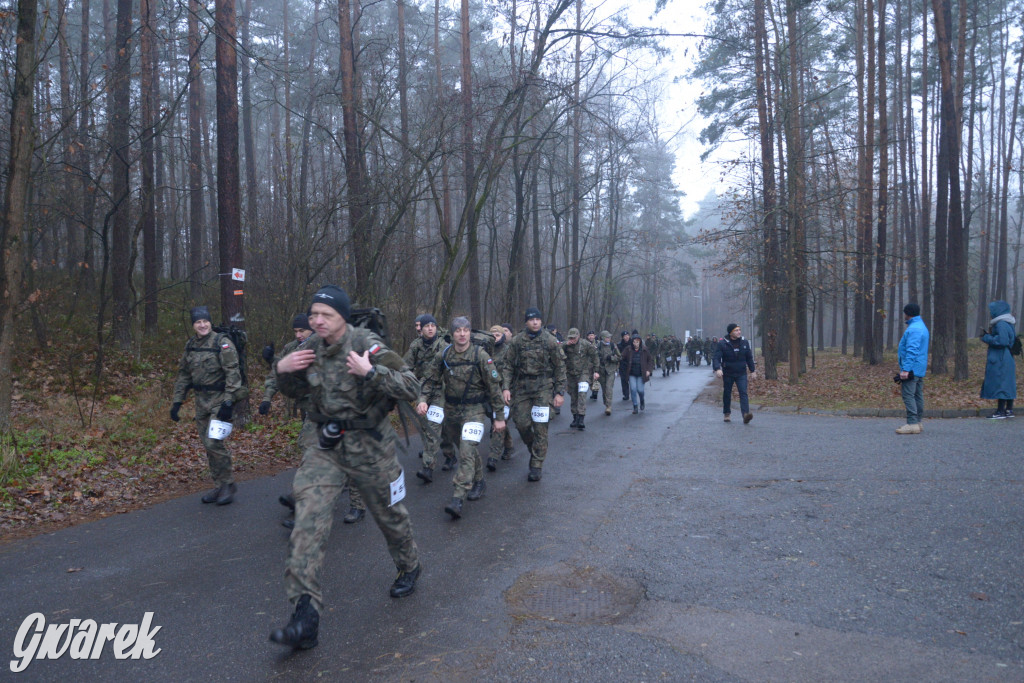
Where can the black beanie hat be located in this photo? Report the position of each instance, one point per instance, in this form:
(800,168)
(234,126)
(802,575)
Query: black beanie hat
(200,313)
(532,312)
(301,322)
(335,297)
(427,319)
(730,327)
(912,309)
(508,325)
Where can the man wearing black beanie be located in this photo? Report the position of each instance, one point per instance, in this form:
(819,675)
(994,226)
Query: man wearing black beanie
(353,381)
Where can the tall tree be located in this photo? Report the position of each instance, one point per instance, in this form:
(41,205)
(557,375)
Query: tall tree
(120,147)
(147,94)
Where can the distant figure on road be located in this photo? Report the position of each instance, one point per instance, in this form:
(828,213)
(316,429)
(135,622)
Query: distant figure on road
(913,359)
(639,367)
(353,381)
(1000,368)
(733,357)
(209,367)
(623,370)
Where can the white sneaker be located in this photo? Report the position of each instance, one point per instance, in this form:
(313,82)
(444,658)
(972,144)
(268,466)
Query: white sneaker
(909,429)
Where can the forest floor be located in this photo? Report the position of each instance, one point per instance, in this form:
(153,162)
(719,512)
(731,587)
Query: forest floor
(83,448)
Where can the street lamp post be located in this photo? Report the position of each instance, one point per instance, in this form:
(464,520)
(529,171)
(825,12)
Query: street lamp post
(701,330)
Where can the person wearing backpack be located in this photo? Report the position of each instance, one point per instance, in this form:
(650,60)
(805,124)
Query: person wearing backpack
(210,367)
(1000,369)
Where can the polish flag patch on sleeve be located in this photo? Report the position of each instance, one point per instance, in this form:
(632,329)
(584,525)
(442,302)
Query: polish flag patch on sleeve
(225,346)
(374,349)
(490,360)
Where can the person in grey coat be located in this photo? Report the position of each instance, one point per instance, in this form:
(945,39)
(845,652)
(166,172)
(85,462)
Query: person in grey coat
(1000,369)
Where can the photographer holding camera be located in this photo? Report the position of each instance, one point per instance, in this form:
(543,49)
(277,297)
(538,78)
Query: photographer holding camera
(353,381)
(913,359)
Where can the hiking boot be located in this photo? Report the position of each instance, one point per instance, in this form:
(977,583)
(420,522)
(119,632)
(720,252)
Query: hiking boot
(607,411)
(534,474)
(909,429)
(575,422)
(492,464)
(288,500)
(641,403)
(449,464)
(477,492)
(211,496)
(998,415)
(354,515)
(747,417)
(635,409)
(454,508)
(405,583)
(226,494)
(426,474)
(301,631)
(725,418)
(506,454)
(579,425)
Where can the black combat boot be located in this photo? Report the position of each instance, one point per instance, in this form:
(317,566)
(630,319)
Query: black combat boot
(579,423)
(288,500)
(575,421)
(211,496)
(226,494)
(426,474)
(477,492)
(405,583)
(507,453)
(354,515)
(492,464)
(534,474)
(454,508)
(301,631)
(449,464)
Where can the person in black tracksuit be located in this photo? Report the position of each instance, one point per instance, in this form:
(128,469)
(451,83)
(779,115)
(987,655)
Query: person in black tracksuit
(623,369)
(733,357)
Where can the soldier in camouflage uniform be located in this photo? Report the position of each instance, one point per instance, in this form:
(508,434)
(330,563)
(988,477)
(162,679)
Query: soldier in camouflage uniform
(464,377)
(709,349)
(533,373)
(654,347)
(300,325)
(580,366)
(353,381)
(608,357)
(419,355)
(209,366)
(592,338)
(501,442)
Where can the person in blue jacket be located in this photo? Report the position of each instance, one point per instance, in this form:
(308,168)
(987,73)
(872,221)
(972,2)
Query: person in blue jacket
(913,359)
(1000,368)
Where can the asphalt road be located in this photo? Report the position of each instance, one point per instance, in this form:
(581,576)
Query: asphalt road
(662,546)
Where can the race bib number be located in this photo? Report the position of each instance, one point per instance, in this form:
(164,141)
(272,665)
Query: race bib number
(506,411)
(679,358)
(398,489)
(473,431)
(583,387)
(540,413)
(435,414)
(698,353)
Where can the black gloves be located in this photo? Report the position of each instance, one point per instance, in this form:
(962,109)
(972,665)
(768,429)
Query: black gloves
(174,411)
(224,412)
(264,407)
(268,353)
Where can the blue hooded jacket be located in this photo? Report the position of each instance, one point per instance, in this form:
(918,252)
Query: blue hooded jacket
(1000,368)
(913,352)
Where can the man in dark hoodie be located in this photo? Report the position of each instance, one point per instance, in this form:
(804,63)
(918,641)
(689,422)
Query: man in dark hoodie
(623,370)
(733,357)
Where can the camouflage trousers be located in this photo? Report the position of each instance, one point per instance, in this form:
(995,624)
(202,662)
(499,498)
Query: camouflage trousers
(577,400)
(367,466)
(430,435)
(471,467)
(501,441)
(607,382)
(534,434)
(217,453)
(309,432)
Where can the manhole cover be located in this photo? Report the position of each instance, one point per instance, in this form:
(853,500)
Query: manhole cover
(574,595)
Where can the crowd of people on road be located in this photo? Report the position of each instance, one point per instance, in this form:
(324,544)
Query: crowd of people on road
(461,384)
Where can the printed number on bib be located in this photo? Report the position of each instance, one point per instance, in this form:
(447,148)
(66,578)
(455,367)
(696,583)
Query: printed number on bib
(473,431)
(398,489)
(583,387)
(435,414)
(540,413)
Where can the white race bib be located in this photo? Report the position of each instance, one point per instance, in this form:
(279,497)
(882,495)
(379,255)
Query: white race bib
(679,357)
(218,430)
(583,387)
(540,413)
(435,414)
(506,414)
(398,489)
(473,431)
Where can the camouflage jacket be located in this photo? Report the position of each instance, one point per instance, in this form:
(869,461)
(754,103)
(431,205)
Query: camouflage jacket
(419,355)
(608,356)
(210,367)
(336,394)
(270,383)
(533,365)
(656,347)
(463,380)
(580,360)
